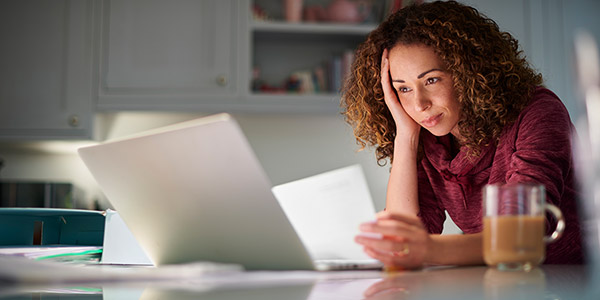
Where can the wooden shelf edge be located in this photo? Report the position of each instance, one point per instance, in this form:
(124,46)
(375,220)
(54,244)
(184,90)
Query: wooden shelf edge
(312,28)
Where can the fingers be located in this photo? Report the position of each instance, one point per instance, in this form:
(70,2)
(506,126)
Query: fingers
(395,240)
(388,91)
(386,258)
(390,232)
(403,121)
(384,247)
(385,67)
(392,260)
(397,260)
(388,235)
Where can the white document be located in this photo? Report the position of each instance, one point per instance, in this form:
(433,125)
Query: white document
(326,210)
(120,246)
(48,252)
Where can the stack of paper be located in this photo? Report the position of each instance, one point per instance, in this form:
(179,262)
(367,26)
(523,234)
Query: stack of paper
(59,253)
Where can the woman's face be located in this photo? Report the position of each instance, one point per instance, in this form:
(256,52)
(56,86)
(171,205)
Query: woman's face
(425,88)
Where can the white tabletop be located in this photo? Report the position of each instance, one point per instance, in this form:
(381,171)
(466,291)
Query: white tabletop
(547,282)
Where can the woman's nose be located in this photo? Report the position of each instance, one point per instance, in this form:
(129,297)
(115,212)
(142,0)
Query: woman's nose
(422,102)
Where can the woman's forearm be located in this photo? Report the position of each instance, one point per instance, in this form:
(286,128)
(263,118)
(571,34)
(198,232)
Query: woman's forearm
(402,194)
(455,249)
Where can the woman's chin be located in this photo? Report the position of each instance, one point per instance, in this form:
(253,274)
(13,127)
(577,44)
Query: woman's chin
(438,131)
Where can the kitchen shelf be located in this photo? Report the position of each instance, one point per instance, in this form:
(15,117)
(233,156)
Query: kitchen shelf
(296,97)
(280,49)
(312,28)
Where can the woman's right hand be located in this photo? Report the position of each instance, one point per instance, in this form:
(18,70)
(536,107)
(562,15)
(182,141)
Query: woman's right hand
(398,241)
(405,125)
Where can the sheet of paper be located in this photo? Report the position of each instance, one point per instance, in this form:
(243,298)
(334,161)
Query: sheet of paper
(120,246)
(40,252)
(326,210)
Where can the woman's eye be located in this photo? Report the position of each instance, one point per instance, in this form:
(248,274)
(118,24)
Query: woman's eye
(432,80)
(403,89)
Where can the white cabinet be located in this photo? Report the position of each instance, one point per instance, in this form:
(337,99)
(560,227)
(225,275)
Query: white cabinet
(171,55)
(200,55)
(46,68)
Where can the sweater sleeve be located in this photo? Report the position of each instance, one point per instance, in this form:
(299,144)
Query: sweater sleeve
(542,148)
(431,211)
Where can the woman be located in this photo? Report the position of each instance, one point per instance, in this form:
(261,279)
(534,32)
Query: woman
(445,95)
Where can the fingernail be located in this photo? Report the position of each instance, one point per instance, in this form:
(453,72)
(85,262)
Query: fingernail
(363,227)
(367,225)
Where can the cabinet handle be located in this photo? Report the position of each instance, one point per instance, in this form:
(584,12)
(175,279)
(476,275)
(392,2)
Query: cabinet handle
(222,80)
(74,121)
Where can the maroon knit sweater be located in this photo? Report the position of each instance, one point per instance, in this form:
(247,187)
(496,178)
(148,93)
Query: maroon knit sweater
(536,148)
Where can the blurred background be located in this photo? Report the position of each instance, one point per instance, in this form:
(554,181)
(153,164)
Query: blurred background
(75,73)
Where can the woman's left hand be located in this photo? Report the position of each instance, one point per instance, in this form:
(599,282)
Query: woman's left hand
(403,241)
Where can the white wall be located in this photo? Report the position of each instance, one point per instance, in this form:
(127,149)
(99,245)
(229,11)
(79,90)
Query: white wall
(290,147)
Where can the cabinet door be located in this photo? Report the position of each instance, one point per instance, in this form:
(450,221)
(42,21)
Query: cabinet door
(167,53)
(45,69)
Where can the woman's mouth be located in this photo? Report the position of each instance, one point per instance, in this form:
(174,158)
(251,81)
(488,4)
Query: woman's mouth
(432,121)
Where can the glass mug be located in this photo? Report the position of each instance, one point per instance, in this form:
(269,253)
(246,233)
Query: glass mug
(514,220)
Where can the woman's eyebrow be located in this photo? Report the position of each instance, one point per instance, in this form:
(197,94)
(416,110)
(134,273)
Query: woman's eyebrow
(425,73)
(420,75)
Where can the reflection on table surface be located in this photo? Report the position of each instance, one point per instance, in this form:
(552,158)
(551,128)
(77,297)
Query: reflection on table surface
(547,282)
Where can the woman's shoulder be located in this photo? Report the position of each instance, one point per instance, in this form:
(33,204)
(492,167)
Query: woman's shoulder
(544,101)
(544,107)
(544,118)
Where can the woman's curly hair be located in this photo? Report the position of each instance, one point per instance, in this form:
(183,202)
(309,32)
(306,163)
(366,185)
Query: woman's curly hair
(492,80)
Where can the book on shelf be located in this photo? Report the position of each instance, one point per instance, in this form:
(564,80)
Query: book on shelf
(327,77)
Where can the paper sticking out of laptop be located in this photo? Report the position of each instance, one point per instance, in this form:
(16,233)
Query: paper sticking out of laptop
(195,191)
(326,210)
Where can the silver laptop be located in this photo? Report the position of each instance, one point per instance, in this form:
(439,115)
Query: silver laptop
(195,191)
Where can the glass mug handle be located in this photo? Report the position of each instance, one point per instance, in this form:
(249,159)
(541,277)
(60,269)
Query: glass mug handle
(560,226)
